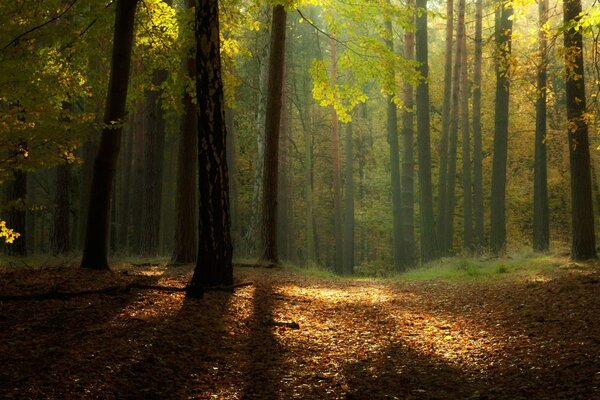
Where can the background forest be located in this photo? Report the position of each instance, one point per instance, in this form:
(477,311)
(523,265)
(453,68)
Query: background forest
(364,185)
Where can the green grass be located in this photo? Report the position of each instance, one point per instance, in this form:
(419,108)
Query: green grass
(507,267)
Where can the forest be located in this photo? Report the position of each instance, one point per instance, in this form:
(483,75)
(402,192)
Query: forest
(277,199)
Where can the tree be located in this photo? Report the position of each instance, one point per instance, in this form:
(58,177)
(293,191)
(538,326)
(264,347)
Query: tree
(186,223)
(61,240)
(503,34)
(392,138)
(17,212)
(583,244)
(408,167)
(541,229)
(477,140)
(215,252)
(466,150)
(428,237)
(95,253)
(272,124)
(349,202)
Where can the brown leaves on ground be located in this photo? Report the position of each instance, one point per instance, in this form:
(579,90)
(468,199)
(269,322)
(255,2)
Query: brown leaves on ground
(356,339)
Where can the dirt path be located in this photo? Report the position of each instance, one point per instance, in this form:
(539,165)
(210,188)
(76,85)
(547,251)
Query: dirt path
(537,339)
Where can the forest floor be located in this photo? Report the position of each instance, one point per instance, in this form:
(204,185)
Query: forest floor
(290,335)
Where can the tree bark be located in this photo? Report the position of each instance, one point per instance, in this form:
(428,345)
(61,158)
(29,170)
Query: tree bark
(503,54)
(446,117)
(408,167)
(349,202)
(428,236)
(272,122)
(477,140)
(95,253)
(392,138)
(283,220)
(466,149)
(214,262)
(583,246)
(186,211)
(541,214)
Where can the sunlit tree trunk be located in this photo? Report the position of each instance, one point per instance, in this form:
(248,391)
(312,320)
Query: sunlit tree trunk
(503,54)
(214,262)
(466,151)
(583,246)
(272,122)
(283,220)
(428,236)
(541,228)
(446,116)
(408,167)
(95,253)
(349,201)
(336,172)
(477,140)
(392,138)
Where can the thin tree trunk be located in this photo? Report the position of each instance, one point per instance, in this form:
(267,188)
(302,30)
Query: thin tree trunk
(541,214)
(446,117)
(214,262)
(283,220)
(349,202)
(95,253)
(272,122)
(17,213)
(139,144)
(336,173)
(466,151)
(498,201)
(186,214)
(477,140)
(583,246)
(125,195)
(428,237)
(392,138)
(408,167)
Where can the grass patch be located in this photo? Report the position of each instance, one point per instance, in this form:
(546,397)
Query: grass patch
(510,266)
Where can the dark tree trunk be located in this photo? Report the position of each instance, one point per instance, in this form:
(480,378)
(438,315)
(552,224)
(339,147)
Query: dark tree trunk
(428,237)
(446,117)
(392,137)
(232,172)
(186,214)
(503,54)
(466,151)
(214,263)
(583,246)
(283,220)
(125,191)
(349,203)
(139,143)
(273,119)
(61,240)
(154,157)
(95,253)
(541,214)
(477,140)
(17,212)
(408,167)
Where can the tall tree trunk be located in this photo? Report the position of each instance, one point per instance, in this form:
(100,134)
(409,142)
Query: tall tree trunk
(139,144)
(477,140)
(349,202)
(214,265)
(336,173)
(283,220)
(503,54)
(466,151)
(392,137)
(95,253)
(233,185)
(446,238)
(154,163)
(541,214)
(583,246)
(259,162)
(428,236)
(61,240)
(186,214)
(272,122)
(446,117)
(125,195)
(408,167)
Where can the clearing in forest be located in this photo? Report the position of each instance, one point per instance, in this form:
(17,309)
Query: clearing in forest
(295,336)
